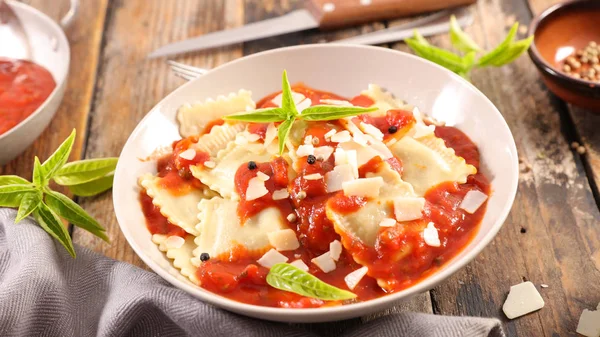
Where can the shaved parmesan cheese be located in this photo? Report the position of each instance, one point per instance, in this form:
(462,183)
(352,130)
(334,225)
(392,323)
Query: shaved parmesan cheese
(473,200)
(360,139)
(262,176)
(284,239)
(341,137)
(522,299)
(382,150)
(391,142)
(271,258)
(296,97)
(422,130)
(408,208)
(430,235)
(335,178)
(387,222)
(323,152)
(303,105)
(308,139)
(240,139)
(210,164)
(351,159)
(371,130)
(305,150)
(324,262)
(188,154)
(174,242)
(354,277)
(281,194)
(335,102)
(300,265)
(589,323)
(340,156)
(363,187)
(252,137)
(256,189)
(335,249)
(270,134)
(314,176)
(330,133)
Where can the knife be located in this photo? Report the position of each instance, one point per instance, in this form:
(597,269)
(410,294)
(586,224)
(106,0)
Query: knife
(322,14)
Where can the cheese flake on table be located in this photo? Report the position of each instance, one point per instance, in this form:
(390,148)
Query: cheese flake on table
(281,194)
(363,187)
(335,249)
(354,277)
(341,137)
(522,299)
(589,323)
(283,240)
(314,176)
(323,152)
(324,262)
(188,154)
(371,130)
(300,265)
(256,189)
(271,258)
(335,178)
(388,222)
(408,208)
(305,150)
(473,200)
(431,236)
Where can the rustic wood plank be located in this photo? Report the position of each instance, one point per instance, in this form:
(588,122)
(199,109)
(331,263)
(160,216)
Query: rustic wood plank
(129,85)
(85,36)
(259,10)
(554,203)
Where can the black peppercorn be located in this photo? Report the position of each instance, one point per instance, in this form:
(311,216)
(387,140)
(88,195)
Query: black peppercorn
(204,257)
(311,159)
(251,165)
(393,129)
(523,230)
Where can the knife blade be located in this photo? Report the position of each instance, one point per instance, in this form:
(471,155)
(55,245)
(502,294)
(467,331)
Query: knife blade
(323,14)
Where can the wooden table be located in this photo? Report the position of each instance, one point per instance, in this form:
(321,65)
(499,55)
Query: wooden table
(552,235)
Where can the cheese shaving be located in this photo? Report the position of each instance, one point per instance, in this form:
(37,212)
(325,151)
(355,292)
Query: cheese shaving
(430,235)
(256,189)
(283,240)
(387,222)
(270,134)
(335,250)
(188,154)
(522,299)
(354,277)
(335,102)
(210,164)
(589,323)
(363,187)
(314,176)
(281,194)
(473,200)
(330,133)
(323,152)
(341,137)
(305,150)
(371,130)
(262,176)
(300,265)
(271,258)
(174,242)
(324,262)
(408,208)
(335,178)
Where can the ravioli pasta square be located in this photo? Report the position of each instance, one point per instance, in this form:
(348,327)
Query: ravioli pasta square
(181,256)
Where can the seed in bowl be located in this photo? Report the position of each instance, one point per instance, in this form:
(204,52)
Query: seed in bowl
(584,63)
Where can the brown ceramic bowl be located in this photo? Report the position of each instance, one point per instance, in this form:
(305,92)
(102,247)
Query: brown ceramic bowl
(559,31)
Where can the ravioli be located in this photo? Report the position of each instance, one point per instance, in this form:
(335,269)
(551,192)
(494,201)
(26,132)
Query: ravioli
(194,118)
(221,177)
(222,230)
(427,162)
(383,100)
(181,210)
(218,138)
(181,256)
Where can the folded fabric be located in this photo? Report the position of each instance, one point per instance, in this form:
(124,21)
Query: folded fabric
(45,292)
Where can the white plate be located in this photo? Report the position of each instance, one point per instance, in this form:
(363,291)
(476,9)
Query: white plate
(346,70)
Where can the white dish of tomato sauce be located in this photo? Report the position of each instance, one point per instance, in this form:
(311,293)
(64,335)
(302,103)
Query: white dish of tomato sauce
(379,206)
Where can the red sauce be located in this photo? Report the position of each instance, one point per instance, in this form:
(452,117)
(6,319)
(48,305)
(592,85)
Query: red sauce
(24,86)
(400,258)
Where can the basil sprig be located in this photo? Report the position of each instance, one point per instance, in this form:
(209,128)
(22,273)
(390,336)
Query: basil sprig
(83,178)
(462,64)
(286,277)
(288,113)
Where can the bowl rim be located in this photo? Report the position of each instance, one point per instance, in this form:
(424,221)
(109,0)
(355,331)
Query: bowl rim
(352,310)
(534,53)
(59,82)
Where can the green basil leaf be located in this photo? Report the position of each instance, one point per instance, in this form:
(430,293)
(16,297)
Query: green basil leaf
(286,277)
(93,187)
(512,52)
(38,174)
(460,40)
(67,209)
(283,132)
(328,112)
(260,116)
(445,58)
(83,171)
(51,223)
(488,59)
(11,195)
(287,100)
(29,203)
(13,180)
(58,158)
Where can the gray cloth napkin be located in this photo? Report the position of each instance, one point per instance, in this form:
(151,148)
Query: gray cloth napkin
(45,292)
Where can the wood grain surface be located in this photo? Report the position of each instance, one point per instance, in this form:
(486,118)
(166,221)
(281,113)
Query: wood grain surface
(552,234)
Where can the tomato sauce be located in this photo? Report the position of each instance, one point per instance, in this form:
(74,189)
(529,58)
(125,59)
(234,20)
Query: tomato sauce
(24,86)
(399,258)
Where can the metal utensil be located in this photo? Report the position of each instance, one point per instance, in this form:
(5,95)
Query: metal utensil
(15,43)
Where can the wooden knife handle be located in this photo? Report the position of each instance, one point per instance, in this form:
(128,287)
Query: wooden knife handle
(342,13)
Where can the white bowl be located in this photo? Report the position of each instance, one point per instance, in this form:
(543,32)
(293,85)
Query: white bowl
(346,70)
(50,49)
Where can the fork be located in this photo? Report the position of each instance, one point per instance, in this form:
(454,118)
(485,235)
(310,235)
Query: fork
(185,71)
